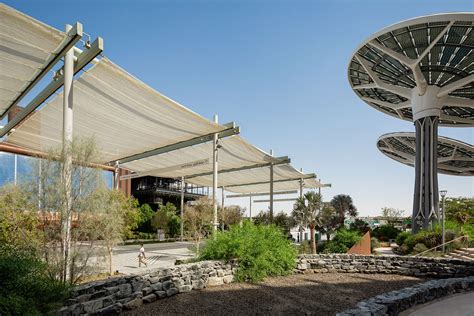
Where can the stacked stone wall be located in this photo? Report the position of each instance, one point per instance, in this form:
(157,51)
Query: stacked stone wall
(414,266)
(111,296)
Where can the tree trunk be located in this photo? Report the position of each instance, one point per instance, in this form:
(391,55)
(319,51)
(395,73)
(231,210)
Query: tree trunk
(110,260)
(328,236)
(313,240)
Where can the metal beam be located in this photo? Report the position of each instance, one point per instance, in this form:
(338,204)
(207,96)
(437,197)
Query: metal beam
(83,59)
(275,200)
(182,166)
(230,131)
(281,161)
(73,36)
(230,196)
(306,176)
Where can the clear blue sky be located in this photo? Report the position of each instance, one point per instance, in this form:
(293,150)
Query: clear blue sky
(277,68)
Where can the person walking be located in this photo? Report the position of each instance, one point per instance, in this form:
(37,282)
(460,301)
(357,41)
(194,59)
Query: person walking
(142,257)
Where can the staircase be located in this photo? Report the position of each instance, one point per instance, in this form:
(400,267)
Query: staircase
(461,253)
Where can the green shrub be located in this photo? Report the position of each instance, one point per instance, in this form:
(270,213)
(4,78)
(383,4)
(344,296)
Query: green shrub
(261,251)
(343,241)
(304,247)
(374,243)
(419,248)
(402,237)
(385,232)
(25,287)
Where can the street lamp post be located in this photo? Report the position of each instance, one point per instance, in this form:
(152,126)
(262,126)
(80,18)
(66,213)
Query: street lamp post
(443,195)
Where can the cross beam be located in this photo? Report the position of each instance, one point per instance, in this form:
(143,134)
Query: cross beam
(73,36)
(229,131)
(83,59)
(260,194)
(305,176)
(275,200)
(280,161)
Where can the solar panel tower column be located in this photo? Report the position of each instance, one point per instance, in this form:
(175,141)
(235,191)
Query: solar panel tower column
(66,213)
(425,198)
(420,70)
(214,173)
(182,208)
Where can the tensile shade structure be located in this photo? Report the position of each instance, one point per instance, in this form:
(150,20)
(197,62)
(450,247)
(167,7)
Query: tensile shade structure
(454,157)
(420,70)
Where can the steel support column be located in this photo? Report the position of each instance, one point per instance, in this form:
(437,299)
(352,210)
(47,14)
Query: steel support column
(426,199)
(116,176)
(301,188)
(250,207)
(271,192)
(182,208)
(67,156)
(214,173)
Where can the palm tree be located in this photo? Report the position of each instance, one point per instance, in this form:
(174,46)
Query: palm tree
(307,209)
(343,205)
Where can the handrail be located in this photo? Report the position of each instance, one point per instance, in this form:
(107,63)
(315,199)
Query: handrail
(448,242)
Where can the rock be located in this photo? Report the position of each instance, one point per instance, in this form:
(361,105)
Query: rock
(147,290)
(172,291)
(114,309)
(133,304)
(214,281)
(167,285)
(185,288)
(228,278)
(161,294)
(149,298)
(138,285)
(198,285)
(125,290)
(92,306)
(157,286)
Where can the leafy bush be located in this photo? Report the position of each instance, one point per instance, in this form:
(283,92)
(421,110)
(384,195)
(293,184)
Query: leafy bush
(386,232)
(419,248)
(374,243)
(25,287)
(402,237)
(304,247)
(343,241)
(261,250)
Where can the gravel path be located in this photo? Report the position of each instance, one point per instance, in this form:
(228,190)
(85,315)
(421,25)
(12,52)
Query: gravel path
(314,294)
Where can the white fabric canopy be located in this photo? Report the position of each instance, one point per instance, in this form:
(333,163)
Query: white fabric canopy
(234,152)
(277,186)
(122,114)
(26,46)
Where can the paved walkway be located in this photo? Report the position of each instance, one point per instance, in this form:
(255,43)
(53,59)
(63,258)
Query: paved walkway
(159,255)
(456,305)
(386,251)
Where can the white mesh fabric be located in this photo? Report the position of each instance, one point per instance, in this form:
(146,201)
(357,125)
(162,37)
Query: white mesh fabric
(122,114)
(277,186)
(234,153)
(26,45)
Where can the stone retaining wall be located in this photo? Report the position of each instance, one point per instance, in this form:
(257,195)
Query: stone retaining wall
(109,297)
(393,303)
(415,266)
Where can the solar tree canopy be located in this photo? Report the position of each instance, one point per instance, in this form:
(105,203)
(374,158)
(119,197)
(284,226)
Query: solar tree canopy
(122,114)
(28,49)
(419,67)
(454,157)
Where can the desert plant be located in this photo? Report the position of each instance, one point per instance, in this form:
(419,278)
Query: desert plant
(344,206)
(401,237)
(385,232)
(306,210)
(198,220)
(25,286)
(342,241)
(261,250)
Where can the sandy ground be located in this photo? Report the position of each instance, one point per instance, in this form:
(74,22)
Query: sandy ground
(309,294)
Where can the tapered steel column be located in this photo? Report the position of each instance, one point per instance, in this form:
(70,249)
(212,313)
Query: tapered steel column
(116,176)
(301,188)
(214,174)
(182,208)
(67,156)
(425,199)
(250,207)
(271,192)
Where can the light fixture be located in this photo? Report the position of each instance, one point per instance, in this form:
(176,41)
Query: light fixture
(443,193)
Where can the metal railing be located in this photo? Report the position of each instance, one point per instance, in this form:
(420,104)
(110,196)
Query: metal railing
(441,245)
